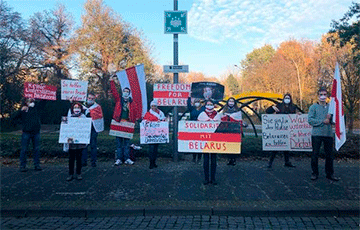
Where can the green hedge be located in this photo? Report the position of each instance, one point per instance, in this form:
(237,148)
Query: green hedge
(251,146)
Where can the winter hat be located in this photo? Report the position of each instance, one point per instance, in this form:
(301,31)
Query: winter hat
(154,102)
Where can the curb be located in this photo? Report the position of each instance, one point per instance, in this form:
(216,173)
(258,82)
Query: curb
(83,213)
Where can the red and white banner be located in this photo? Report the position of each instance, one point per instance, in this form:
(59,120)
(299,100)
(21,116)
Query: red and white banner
(134,79)
(97,117)
(209,137)
(44,92)
(123,129)
(75,90)
(336,108)
(172,94)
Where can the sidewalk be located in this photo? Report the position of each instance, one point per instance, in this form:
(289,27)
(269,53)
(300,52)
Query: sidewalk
(247,189)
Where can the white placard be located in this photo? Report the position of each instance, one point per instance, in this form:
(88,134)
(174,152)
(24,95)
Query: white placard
(154,132)
(75,130)
(286,132)
(76,90)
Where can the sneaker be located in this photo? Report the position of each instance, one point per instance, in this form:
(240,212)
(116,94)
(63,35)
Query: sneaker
(69,178)
(206,182)
(23,169)
(333,178)
(314,177)
(129,162)
(38,168)
(79,177)
(213,182)
(118,162)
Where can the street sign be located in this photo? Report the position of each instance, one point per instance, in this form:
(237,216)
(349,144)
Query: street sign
(175,22)
(176,68)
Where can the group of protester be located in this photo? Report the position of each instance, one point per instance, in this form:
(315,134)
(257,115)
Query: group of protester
(318,118)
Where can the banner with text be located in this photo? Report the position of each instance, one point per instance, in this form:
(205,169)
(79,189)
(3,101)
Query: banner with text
(75,90)
(286,132)
(172,94)
(43,92)
(75,130)
(124,129)
(209,137)
(154,132)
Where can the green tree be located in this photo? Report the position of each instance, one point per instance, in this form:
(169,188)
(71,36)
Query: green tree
(233,85)
(104,39)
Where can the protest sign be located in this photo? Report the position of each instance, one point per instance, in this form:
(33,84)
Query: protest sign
(75,90)
(209,137)
(124,129)
(154,132)
(43,92)
(75,130)
(286,132)
(171,94)
(207,90)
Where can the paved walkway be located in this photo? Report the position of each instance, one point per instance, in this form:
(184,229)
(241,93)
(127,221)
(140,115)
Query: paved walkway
(181,222)
(176,189)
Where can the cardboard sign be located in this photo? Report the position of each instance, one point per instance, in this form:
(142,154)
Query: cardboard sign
(286,132)
(75,90)
(124,129)
(207,90)
(209,137)
(75,130)
(154,132)
(172,94)
(43,92)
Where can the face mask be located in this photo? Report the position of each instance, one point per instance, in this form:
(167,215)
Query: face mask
(231,104)
(32,104)
(77,111)
(322,98)
(90,102)
(209,107)
(207,94)
(287,101)
(197,104)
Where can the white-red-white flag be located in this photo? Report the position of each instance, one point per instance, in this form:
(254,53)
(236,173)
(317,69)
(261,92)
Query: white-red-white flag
(337,110)
(134,79)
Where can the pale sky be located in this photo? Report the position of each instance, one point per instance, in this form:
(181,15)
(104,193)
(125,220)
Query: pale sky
(220,32)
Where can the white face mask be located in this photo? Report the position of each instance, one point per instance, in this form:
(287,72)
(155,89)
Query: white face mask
(231,104)
(322,98)
(209,107)
(90,102)
(197,104)
(77,111)
(287,101)
(32,104)
(126,94)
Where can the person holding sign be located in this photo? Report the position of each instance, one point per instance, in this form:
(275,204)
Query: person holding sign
(231,112)
(122,113)
(285,107)
(194,113)
(154,114)
(75,150)
(209,115)
(320,121)
(93,110)
(30,118)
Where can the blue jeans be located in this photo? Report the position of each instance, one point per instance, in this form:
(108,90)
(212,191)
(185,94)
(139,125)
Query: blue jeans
(122,148)
(93,147)
(25,140)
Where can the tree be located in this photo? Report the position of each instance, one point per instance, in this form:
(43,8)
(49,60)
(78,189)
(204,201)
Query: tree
(232,84)
(105,39)
(15,50)
(52,30)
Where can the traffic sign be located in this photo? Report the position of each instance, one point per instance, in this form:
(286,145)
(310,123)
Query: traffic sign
(176,68)
(175,22)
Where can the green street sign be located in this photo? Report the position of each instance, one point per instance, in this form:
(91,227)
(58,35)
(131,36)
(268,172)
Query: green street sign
(175,22)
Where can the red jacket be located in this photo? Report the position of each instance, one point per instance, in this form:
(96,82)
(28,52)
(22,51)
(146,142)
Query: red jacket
(119,103)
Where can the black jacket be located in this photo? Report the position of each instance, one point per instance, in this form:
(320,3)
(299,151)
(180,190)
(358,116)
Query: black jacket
(30,120)
(284,109)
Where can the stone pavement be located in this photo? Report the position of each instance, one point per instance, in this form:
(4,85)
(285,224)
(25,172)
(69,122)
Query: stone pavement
(175,188)
(181,222)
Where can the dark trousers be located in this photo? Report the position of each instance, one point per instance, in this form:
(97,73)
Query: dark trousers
(93,148)
(273,155)
(75,154)
(206,166)
(329,157)
(153,150)
(198,155)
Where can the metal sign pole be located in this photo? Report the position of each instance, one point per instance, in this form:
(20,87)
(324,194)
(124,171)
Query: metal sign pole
(176,80)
